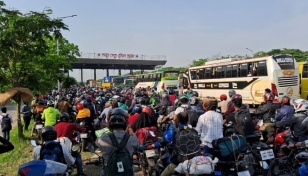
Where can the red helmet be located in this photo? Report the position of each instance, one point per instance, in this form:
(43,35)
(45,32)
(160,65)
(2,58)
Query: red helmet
(285,100)
(146,110)
(79,106)
(223,97)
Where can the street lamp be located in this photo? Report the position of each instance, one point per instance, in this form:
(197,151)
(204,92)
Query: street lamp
(58,51)
(250,51)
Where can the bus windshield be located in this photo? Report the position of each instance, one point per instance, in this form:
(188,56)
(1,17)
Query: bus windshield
(285,63)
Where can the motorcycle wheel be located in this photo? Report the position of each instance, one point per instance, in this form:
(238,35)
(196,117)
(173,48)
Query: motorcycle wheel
(83,145)
(281,168)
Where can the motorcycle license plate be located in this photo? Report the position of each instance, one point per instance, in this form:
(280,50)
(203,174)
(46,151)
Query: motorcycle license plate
(243,173)
(150,153)
(83,135)
(38,126)
(267,154)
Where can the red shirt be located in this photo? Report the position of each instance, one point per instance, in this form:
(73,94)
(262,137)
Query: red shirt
(133,118)
(172,98)
(65,129)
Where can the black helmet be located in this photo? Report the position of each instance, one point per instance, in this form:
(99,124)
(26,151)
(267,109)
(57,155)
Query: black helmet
(49,133)
(137,109)
(64,117)
(118,118)
(183,99)
(171,91)
(237,100)
(84,103)
(195,94)
(209,103)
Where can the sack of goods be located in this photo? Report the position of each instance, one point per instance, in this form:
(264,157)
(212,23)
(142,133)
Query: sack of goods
(228,148)
(197,166)
(147,134)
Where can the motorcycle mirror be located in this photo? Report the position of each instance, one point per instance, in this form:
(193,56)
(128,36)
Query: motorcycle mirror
(152,134)
(33,143)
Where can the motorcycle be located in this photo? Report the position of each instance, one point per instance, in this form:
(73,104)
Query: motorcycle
(43,167)
(86,138)
(37,128)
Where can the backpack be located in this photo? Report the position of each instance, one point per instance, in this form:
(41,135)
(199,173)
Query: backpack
(192,115)
(229,148)
(120,162)
(52,150)
(6,124)
(244,123)
(187,143)
(144,136)
(26,111)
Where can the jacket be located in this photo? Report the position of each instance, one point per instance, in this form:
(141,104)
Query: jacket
(266,111)
(285,112)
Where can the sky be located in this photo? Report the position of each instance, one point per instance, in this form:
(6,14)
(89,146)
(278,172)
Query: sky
(182,30)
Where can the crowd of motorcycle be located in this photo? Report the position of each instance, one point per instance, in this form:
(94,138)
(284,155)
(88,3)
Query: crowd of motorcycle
(268,140)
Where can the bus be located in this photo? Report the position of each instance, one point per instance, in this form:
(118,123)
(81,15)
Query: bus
(126,80)
(248,77)
(303,74)
(157,79)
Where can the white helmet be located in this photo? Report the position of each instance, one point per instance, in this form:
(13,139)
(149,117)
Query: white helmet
(300,105)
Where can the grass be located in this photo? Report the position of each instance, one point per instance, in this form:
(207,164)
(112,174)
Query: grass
(22,153)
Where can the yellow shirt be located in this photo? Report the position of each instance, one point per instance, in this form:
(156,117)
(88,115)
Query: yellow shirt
(85,112)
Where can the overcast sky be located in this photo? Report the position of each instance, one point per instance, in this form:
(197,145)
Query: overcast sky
(183,30)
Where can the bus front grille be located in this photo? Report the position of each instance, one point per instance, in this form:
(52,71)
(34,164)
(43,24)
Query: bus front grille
(287,81)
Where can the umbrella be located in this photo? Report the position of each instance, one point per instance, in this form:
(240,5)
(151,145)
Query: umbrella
(13,93)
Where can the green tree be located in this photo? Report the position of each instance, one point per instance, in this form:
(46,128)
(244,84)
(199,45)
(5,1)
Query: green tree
(27,52)
(198,62)
(298,54)
(68,81)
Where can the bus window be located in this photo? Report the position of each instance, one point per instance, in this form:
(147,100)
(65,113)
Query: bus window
(208,73)
(234,71)
(214,73)
(229,71)
(305,71)
(193,74)
(262,69)
(219,72)
(244,69)
(224,70)
(201,74)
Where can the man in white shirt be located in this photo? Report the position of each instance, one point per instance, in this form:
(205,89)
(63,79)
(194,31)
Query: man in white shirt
(210,125)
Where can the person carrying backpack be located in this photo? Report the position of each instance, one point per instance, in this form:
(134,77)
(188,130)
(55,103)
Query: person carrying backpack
(26,111)
(241,118)
(6,121)
(118,146)
(185,143)
(52,149)
(185,107)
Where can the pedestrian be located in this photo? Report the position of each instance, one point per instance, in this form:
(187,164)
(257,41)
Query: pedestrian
(26,111)
(6,121)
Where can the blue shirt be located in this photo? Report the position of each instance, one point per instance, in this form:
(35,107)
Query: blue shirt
(285,112)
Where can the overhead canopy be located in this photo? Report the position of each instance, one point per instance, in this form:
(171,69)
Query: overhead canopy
(13,93)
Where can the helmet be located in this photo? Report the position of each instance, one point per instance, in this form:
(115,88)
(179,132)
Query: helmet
(177,103)
(171,91)
(89,99)
(268,97)
(146,110)
(237,100)
(300,105)
(209,103)
(49,133)
(50,103)
(118,118)
(231,92)
(223,97)
(108,95)
(195,94)
(79,106)
(183,99)
(64,117)
(302,156)
(285,100)
(84,103)
(137,109)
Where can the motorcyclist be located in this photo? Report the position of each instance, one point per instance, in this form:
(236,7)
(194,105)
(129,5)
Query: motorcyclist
(50,114)
(223,104)
(266,111)
(286,111)
(230,106)
(196,104)
(65,129)
(84,115)
(297,127)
